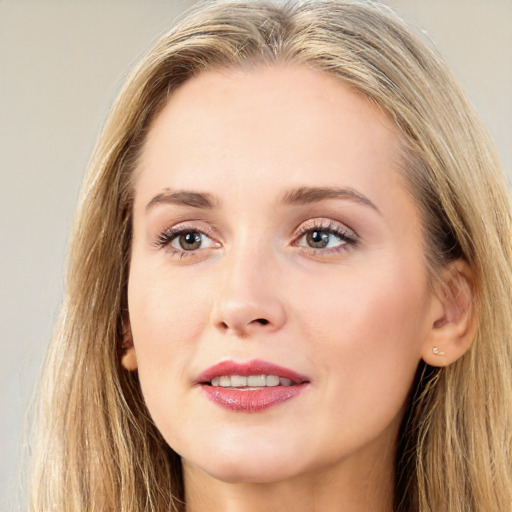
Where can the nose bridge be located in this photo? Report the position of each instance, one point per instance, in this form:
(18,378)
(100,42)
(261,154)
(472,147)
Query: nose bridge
(248,260)
(248,298)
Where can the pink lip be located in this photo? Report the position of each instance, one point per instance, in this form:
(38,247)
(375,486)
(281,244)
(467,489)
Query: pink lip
(250,400)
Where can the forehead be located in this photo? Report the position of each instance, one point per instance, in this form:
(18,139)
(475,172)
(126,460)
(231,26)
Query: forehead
(279,126)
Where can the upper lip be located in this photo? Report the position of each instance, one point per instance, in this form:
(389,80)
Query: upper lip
(254,367)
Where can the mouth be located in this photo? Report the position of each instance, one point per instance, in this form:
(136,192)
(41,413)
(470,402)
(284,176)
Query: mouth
(250,387)
(250,382)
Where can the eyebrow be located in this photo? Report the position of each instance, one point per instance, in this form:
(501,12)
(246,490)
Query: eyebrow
(301,195)
(308,195)
(183,198)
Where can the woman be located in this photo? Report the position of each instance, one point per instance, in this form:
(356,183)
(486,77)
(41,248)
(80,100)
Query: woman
(289,280)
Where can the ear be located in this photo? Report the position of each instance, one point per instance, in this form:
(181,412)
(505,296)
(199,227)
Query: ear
(129,358)
(454,316)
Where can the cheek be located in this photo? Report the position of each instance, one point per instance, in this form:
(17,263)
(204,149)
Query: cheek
(166,319)
(365,337)
(381,310)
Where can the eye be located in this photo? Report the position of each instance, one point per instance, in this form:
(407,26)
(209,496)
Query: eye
(183,240)
(189,240)
(328,238)
(321,239)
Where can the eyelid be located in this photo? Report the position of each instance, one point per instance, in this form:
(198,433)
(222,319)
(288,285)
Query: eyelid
(323,224)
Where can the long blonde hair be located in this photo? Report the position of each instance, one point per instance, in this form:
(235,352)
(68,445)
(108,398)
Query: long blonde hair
(96,447)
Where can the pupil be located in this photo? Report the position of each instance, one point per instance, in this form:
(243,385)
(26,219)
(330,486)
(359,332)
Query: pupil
(318,239)
(190,241)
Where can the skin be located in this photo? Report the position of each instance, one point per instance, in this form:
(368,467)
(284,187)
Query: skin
(356,318)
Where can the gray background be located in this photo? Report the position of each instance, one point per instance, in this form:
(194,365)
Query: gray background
(61,65)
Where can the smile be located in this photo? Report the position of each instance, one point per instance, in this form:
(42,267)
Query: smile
(250,387)
(252,381)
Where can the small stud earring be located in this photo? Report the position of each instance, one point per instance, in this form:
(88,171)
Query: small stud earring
(437,352)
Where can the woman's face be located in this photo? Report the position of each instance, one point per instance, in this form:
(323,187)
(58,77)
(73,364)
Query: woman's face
(273,235)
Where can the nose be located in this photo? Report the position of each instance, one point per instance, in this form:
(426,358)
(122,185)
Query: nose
(249,299)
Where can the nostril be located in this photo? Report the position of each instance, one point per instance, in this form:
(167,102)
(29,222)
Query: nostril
(235,326)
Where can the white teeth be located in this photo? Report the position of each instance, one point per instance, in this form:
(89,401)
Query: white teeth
(253,381)
(237,381)
(225,382)
(272,380)
(256,381)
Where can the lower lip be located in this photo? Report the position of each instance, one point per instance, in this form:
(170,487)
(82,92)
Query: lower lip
(251,400)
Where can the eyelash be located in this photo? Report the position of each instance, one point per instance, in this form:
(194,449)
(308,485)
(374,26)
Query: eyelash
(346,235)
(165,239)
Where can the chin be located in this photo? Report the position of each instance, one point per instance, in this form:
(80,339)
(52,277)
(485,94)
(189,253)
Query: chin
(252,465)
(236,472)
